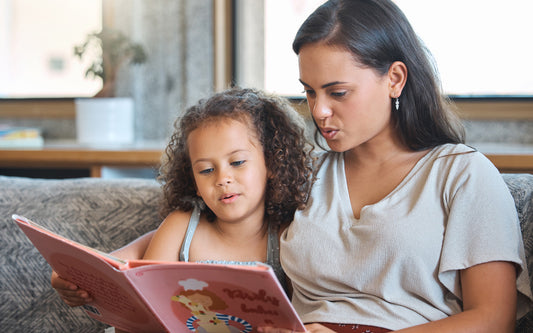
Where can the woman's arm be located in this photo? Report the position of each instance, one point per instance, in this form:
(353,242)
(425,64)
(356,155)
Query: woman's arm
(489,304)
(73,296)
(489,301)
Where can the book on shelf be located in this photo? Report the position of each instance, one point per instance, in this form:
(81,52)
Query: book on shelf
(150,296)
(20,137)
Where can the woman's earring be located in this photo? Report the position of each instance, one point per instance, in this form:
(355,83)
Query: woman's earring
(397,103)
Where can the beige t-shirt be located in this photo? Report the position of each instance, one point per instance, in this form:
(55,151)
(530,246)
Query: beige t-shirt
(398,264)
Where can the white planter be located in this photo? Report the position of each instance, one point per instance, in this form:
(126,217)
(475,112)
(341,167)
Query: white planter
(105,120)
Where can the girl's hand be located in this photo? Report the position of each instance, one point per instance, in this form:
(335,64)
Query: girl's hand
(309,328)
(69,292)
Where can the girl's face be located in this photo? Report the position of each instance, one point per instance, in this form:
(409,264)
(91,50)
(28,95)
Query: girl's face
(229,169)
(350,104)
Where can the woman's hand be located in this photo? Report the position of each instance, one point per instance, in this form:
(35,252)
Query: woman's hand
(69,292)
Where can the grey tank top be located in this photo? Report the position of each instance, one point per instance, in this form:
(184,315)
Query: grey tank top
(272,249)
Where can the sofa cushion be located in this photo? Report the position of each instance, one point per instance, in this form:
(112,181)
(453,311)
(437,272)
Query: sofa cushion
(521,187)
(105,214)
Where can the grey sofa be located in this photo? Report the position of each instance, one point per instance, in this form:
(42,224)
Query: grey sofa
(107,214)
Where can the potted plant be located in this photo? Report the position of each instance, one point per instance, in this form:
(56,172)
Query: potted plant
(110,50)
(106,118)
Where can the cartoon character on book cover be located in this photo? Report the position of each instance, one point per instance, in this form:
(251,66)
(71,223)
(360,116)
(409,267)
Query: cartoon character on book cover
(203,305)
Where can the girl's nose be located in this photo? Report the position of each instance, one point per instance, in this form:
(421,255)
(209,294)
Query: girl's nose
(224,178)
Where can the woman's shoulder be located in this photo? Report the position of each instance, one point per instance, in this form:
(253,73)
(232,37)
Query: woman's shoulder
(453,149)
(460,160)
(460,154)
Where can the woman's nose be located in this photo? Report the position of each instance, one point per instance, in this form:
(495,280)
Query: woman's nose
(320,109)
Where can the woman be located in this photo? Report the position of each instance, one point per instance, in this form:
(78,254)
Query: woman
(406,228)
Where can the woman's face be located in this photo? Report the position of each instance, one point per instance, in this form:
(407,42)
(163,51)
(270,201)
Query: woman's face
(350,104)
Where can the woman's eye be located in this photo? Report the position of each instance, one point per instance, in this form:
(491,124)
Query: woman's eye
(338,93)
(309,93)
(237,163)
(206,171)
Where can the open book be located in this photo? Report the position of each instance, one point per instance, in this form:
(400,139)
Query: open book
(148,296)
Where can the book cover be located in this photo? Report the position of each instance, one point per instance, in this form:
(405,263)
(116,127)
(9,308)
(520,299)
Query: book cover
(149,296)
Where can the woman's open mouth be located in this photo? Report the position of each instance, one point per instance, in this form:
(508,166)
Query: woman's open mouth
(328,133)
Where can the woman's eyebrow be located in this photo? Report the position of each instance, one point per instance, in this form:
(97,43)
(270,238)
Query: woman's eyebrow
(325,85)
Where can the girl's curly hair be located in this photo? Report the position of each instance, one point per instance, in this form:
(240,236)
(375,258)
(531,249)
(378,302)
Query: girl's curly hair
(279,128)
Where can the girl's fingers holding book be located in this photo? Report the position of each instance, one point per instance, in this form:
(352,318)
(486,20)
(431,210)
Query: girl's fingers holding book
(59,283)
(69,292)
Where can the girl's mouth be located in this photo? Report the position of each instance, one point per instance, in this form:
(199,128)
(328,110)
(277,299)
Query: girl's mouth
(229,198)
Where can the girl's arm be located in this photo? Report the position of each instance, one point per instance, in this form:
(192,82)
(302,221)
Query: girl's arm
(166,241)
(136,249)
(73,296)
(489,303)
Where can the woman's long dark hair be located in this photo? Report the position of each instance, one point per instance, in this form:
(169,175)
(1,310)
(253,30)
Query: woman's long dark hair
(377,33)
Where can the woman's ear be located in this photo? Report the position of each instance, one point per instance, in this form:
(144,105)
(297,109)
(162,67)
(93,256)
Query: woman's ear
(397,78)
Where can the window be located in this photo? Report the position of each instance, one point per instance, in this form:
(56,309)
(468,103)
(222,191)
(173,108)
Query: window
(37,40)
(482,47)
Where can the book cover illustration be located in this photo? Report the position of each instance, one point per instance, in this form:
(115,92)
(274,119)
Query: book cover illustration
(149,296)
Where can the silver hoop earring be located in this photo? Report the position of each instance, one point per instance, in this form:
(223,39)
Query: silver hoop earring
(397,103)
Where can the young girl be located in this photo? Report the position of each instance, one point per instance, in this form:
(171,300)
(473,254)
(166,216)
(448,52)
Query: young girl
(236,170)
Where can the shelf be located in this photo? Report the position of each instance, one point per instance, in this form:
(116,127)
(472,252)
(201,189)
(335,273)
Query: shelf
(69,155)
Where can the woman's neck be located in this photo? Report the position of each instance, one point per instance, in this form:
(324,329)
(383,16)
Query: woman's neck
(376,154)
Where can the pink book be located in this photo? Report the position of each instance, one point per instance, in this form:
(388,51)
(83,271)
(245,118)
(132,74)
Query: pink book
(149,296)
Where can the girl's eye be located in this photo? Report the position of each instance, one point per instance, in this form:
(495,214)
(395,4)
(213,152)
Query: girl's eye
(206,171)
(237,163)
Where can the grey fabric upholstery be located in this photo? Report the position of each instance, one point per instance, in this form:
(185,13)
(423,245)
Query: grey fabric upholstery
(521,187)
(107,214)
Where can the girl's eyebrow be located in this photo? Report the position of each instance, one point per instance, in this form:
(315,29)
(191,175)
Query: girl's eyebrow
(208,159)
(324,85)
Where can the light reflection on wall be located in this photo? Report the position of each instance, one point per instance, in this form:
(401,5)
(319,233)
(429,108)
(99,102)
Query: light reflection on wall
(37,39)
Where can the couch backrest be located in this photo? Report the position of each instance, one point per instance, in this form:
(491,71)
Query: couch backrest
(521,187)
(105,214)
